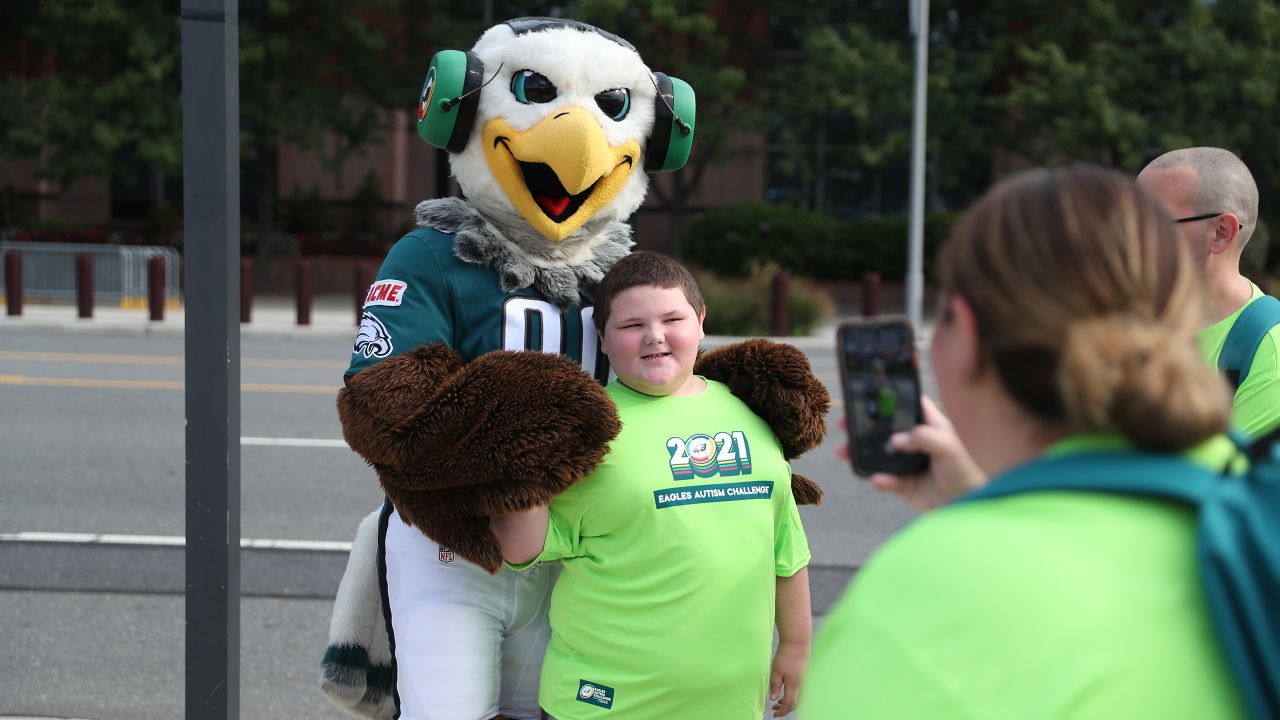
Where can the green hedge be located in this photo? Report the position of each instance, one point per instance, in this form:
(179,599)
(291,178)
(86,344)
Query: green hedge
(1259,255)
(733,241)
(742,307)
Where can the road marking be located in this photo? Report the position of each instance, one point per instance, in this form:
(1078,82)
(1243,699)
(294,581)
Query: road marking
(168,541)
(91,383)
(315,389)
(105,383)
(30,356)
(293,442)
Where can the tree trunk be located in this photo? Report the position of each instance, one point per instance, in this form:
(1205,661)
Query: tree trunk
(820,170)
(676,212)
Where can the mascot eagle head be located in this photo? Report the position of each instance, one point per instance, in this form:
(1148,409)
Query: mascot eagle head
(552,125)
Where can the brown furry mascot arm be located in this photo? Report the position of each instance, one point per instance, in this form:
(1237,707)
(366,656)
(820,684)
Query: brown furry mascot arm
(777,383)
(455,442)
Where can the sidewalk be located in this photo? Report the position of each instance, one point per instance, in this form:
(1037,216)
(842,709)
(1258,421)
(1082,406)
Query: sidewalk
(331,316)
(334,316)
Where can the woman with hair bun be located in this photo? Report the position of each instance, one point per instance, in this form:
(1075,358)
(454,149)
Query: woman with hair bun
(1067,327)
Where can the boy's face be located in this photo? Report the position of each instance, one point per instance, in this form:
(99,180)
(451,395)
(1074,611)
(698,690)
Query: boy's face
(651,339)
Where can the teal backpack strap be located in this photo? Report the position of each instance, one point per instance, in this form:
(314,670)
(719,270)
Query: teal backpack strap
(1253,324)
(1125,473)
(1237,542)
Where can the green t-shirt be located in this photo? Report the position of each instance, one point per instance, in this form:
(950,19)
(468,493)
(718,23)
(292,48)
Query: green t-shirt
(425,294)
(1046,605)
(1256,407)
(672,548)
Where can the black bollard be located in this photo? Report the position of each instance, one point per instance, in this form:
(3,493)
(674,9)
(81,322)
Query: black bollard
(363,279)
(155,287)
(246,290)
(305,287)
(84,284)
(870,294)
(780,324)
(13,282)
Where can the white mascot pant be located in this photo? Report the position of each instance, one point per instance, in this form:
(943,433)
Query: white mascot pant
(468,645)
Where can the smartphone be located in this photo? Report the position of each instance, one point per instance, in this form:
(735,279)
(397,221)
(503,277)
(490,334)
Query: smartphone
(880,376)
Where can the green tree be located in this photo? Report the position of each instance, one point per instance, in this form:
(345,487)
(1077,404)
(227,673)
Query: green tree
(1118,81)
(842,104)
(717,49)
(1014,82)
(83,80)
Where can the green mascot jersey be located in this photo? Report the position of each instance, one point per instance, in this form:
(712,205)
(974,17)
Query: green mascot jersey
(425,294)
(671,550)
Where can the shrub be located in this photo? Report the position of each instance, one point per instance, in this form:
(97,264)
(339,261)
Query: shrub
(367,206)
(733,240)
(742,307)
(1256,258)
(307,213)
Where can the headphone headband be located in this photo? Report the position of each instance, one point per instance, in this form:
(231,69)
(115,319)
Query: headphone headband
(523,25)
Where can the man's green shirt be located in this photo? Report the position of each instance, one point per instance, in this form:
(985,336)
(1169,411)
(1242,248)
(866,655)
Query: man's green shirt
(1256,407)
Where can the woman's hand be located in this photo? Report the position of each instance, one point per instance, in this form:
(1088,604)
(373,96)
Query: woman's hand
(952,472)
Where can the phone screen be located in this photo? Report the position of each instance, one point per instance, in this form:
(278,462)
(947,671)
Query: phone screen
(881,393)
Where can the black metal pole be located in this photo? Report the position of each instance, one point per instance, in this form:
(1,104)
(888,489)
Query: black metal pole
(13,282)
(304,288)
(246,290)
(870,294)
(155,287)
(211,201)
(84,284)
(779,310)
(363,275)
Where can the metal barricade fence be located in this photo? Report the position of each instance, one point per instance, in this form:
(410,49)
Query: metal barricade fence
(119,272)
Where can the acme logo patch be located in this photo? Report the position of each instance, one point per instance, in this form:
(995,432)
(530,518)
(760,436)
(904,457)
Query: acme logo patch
(385,292)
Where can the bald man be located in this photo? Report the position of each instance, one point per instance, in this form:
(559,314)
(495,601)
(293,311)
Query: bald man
(1214,200)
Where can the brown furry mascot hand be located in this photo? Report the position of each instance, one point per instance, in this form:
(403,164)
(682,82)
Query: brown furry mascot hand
(776,382)
(455,442)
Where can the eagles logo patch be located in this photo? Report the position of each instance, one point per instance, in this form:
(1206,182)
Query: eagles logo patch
(373,340)
(424,98)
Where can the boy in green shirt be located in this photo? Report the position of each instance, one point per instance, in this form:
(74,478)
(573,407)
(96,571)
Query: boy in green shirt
(683,546)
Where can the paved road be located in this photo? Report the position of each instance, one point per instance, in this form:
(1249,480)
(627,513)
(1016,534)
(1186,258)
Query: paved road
(92,442)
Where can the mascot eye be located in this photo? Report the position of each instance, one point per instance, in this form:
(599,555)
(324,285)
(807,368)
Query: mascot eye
(531,87)
(615,103)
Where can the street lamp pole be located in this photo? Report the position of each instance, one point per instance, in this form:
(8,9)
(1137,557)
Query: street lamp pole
(211,267)
(915,241)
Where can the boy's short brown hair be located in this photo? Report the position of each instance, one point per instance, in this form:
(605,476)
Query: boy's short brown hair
(644,268)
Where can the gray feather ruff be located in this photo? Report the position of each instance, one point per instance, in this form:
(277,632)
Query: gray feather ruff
(565,273)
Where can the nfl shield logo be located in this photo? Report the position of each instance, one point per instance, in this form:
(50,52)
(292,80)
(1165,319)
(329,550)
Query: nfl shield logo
(446,555)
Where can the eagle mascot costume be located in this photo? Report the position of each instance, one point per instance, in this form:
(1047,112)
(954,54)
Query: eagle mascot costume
(475,385)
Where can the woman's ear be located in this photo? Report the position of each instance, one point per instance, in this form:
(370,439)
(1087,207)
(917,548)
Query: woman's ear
(964,329)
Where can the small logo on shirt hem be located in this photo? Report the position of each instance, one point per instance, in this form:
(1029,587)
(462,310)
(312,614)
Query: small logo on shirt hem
(594,693)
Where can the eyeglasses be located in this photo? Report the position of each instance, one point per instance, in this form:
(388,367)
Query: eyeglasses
(1194,218)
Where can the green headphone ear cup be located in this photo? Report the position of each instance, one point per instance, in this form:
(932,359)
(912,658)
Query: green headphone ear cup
(675,111)
(448,100)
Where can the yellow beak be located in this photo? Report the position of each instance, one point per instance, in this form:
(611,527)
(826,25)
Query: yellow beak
(560,172)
